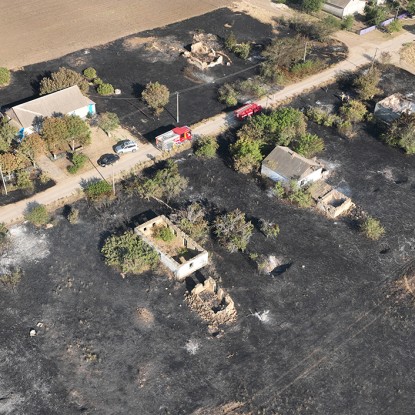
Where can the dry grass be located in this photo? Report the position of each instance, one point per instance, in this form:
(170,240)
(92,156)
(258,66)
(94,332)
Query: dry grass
(407,53)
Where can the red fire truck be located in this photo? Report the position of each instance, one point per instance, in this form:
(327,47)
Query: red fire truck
(247,111)
(174,137)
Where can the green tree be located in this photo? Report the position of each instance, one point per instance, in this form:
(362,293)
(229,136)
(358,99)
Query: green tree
(98,190)
(308,145)
(372,228)
(206,146)
(246,154)
(37,215)
(401,133)
(78,161)
(77,130)
(228,95)
(90,73)
(353,111)
(61,79)
(347,22)
(395,26)
(366,84)
(129,253)
(108,121)
(55,133)
(299,196)
(164,233)
(233,230)
(374,15)
(166,184)
(31,147)
(5,76)
(310,6)
(156,96)
(7,134)
(23,180)
(230,41)
(10,162)
(105,89)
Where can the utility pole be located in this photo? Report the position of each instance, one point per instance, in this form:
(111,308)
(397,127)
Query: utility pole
(373,60)
(4,182)
(177,107)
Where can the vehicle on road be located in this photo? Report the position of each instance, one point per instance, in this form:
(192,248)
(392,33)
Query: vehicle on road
(176,136)
(126,146)
(108,159)
(247,110)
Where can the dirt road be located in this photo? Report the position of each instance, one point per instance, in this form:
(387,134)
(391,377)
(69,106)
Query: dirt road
(39,30)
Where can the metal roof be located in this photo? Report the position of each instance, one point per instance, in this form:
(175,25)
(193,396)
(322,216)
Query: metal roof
(63,102)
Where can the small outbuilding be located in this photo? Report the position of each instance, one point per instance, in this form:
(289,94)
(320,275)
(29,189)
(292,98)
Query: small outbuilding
(68,101)
(284,165)
(343,8)
(391,108)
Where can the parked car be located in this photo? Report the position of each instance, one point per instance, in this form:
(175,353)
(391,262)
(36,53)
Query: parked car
(108,159)
(126,146)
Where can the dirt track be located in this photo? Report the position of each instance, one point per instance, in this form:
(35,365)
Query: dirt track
(40,30)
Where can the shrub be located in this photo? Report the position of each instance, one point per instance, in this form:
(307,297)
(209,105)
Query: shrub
(90,73)
(23,180)
(73,216)
(4,233)
(279,190)
(98,190)
(63,78)
(78,161)
(321,117)
(347,22)
(37,215)
(366,84)
(5,76)
(299,196)
(372,228)
(230,42)
(108,121)
(164,233)
(105,89)
(401,133)
(206,146)
(98,81)
(306,68)
(242,50)
(156,96)
(246,154)
(353,111)
(44,178)
(374,15)
(12,278)
(253,87)
(310,6)
(270,229)
(395,26)
(129,253)
(233,231)
(228,95)
(309,145)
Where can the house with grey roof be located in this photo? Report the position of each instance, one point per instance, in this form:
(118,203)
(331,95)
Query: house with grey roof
(284,165)
(68,101)
(343,8)
(391,108)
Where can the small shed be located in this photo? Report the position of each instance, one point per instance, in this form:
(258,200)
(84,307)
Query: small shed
(343,8)
(391,108)
(68,101)
(284,165)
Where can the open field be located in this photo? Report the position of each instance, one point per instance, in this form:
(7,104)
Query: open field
(39,30)
(327,336)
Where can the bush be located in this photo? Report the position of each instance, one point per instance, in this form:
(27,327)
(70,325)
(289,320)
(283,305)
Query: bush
(78,161)
(206,146)
(98,81)
(4,233)
(108,121)
(98,190)
(156,96)
(353,111)
(23,180)
(164,233)
(306,68)
(228,95)
(63,78)
(37,215)
(12,278)
(299,196)
(395,26)
(129,253)
(233,231)
(73,216)
(372,228)
(253,87)
(366,84)
(230,42)
(5,76)
(347,22)
(44,178)
(308,145)
(321,117)
(270,229)
(246,154)
(401,133)
(310,6)
(105,89)
(279,190)
(242,50)
(90,73)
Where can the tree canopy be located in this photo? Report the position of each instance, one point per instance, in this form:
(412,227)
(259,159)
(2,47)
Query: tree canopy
(61,79)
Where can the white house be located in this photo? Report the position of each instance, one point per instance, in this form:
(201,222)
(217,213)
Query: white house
(391,108)
(343,8)
(68,101)
(284,165)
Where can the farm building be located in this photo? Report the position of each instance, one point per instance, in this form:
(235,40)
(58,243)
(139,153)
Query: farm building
(68,101)
(182,255)
(390,108)
(343,8)
(284,165)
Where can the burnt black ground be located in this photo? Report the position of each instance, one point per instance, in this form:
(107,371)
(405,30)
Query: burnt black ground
(337,341)
(131,70)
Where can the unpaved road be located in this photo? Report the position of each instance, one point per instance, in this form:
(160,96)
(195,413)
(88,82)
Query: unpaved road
(34,31)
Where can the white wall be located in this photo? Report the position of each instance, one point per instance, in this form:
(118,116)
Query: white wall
(355,6)
(313,177)
(266,171)
(336,11)
(83,112)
